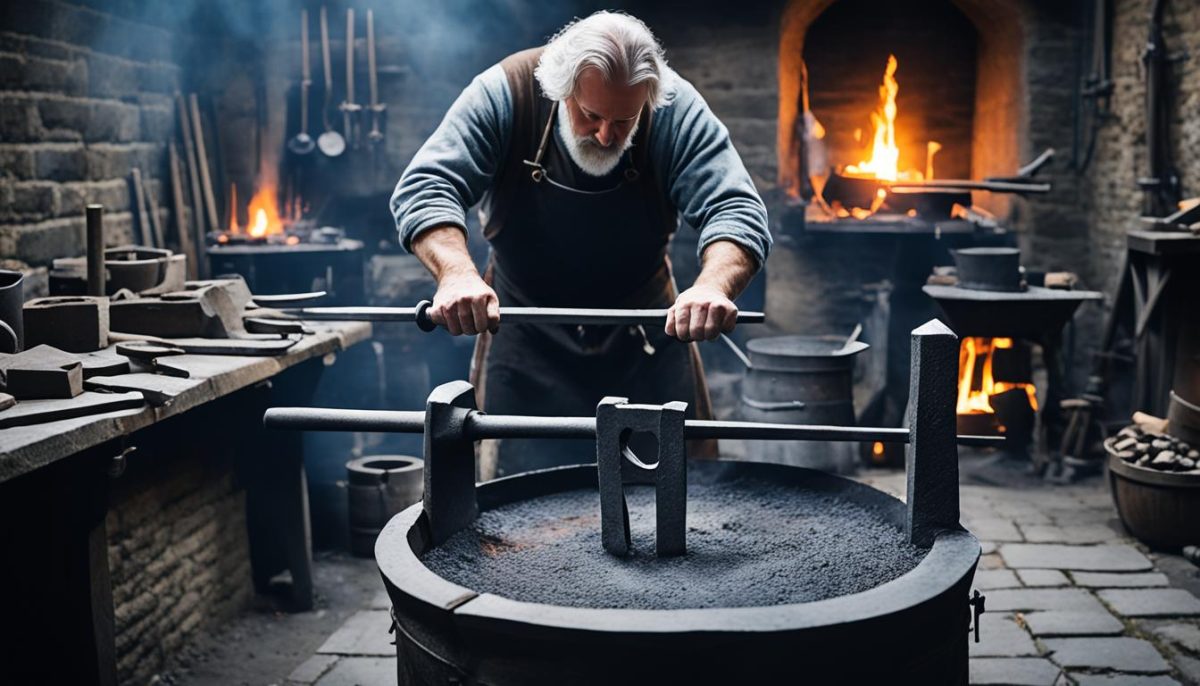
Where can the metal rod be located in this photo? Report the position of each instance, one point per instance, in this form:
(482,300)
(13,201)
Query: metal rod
(516,315)
(96,272)
(481,426)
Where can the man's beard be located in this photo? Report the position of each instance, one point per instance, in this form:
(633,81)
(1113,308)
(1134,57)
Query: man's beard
(593,158)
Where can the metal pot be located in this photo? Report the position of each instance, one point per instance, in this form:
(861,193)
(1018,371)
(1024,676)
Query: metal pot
(989,269)
(12,300)
(802,380)
(379,487)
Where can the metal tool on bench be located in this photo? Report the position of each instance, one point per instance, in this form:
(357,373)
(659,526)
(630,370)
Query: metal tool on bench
(515,315)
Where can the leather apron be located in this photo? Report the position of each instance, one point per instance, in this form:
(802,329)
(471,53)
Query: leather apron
(572,240)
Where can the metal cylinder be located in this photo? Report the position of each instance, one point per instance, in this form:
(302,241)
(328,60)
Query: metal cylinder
(802,380)
(12,319)
(95,250)
(989,269)
(378,487)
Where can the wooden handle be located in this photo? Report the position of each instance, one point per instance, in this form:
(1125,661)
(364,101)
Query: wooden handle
(373,78)
(325,53)
(305,72)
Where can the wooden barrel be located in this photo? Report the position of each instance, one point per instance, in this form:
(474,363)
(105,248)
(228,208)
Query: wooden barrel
(379,486)
(1161,509)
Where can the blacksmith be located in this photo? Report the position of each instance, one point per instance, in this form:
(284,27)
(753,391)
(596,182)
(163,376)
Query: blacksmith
(583,154)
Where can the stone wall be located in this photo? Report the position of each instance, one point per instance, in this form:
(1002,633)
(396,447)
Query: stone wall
(85,95)
(178,551)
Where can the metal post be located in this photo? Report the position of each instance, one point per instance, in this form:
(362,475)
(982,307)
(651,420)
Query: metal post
(449,499)
(615,422)
(96,273)
(931,457)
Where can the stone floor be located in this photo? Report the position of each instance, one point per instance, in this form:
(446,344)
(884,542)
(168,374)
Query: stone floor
(1071,599)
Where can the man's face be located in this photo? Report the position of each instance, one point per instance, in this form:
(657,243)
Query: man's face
(602,111)
(604,115)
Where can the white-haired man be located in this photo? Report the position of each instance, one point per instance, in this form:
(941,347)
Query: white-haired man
(584,153)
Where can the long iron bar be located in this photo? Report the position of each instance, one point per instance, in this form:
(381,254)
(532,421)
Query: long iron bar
(516,315)
(481,426)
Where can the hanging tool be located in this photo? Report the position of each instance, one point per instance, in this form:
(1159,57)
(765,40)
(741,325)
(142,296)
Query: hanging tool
(350,109)
(377,108)
(330,142)
(1161,186)
(302,143)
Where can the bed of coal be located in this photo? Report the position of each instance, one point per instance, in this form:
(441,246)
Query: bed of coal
(751,543)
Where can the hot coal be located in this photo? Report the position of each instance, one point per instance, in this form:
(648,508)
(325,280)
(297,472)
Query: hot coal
(750,542)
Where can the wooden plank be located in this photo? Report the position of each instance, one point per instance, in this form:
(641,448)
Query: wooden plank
(155,223)
(183,233)
(140,223)
(210,202)
(24,449)
(29,412)
(189,152)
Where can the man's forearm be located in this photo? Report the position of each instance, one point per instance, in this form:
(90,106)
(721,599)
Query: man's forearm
(443,251)
(463,302)
(727,267)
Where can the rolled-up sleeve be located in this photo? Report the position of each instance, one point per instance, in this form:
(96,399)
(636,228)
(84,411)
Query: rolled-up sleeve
(705,176)
(455,166)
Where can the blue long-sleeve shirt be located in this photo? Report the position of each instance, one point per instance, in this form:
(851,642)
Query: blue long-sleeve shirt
(689,149)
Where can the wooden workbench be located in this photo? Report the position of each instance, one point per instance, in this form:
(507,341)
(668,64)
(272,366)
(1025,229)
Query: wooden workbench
(55,485)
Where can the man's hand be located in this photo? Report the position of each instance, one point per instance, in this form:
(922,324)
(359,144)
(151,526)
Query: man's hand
(706,310)
(701,313)
(464,303)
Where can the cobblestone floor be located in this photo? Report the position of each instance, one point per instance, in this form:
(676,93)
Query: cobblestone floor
(1071,598)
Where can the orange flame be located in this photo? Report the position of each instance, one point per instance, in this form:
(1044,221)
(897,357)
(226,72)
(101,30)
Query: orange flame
(976,399)
(885,155)
(262,215)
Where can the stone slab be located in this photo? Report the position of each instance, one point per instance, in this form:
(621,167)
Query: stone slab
(381,601)
(361,671)
(1111,580)
(1068,623)
(1075,534)
(1151,602)
(1013,671)
(1084,679)
(1001,636)
(993,529)
(1179,634)
(365,633)
(1122,654)
(311,669)
(1090,558)
(1043,577)
(1029,599)
(988,579)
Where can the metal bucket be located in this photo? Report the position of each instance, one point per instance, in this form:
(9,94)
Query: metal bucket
(12,321)
(380,486)
(802,380)
(989,269)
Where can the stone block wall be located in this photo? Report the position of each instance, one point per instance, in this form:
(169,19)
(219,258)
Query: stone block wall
(178,551)
(85,95)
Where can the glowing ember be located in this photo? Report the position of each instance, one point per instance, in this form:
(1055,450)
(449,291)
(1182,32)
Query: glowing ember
(975,398)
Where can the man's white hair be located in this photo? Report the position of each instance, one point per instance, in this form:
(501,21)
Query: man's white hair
(617,44)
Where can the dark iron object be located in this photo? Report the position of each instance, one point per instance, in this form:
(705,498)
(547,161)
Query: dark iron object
(270,268)
(802,380)
(1161,185)
(449,632)
(12,321)
(480,426)
(615,421)
(75,324)
(989,269)
(96,273)
(927,202)
(516,315)
(850,191)
(1025,314)
(379,487)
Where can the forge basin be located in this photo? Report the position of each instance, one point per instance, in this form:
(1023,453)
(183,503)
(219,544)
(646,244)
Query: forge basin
(791,575)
